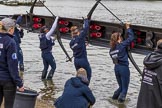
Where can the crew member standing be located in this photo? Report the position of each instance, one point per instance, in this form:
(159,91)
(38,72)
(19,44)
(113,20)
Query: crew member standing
(150,95)
(9,75)
(18,34)
(78,46)
(119,55)
(46,43)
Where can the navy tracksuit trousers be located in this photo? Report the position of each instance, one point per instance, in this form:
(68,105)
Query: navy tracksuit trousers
(83,63)
(122,74)
(20,58)
(48,59)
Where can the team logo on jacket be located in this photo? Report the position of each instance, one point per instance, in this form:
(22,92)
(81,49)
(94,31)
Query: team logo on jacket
(76,44)
(1,45)
(14,56)
(148,77)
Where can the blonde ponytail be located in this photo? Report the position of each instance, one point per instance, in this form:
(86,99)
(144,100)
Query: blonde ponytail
(2,29)
(1,25)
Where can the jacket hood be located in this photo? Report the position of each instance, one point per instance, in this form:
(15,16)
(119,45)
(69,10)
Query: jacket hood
(153,60)
(77,82)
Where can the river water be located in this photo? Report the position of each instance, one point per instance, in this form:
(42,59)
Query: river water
(103,81)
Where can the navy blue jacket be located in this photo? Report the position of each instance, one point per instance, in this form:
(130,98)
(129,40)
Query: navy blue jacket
(19,20)
(8,60)
(77,44)
(45,44)
(76,95)
(18,34)
(120,51)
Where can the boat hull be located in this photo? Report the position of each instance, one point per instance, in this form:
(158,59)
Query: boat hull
(99,32)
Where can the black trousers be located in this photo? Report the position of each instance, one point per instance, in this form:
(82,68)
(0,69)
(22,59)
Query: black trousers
(7,92)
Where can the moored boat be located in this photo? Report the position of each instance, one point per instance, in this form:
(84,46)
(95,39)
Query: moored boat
(99,32)
(21,3)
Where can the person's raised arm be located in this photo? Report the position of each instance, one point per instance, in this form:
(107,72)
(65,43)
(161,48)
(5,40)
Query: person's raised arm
(130,34)
(19,19)
(48,35)
(85,28)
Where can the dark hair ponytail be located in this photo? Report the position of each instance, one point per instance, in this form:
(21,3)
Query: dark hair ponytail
(43,29)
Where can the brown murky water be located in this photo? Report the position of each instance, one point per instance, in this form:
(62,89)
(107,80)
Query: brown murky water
(103,81)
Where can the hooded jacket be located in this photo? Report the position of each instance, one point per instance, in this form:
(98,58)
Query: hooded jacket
(76,95)
(150,95)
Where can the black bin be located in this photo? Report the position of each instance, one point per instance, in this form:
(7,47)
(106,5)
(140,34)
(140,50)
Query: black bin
(25,99)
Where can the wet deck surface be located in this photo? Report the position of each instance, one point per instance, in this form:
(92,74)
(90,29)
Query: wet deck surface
(103,82)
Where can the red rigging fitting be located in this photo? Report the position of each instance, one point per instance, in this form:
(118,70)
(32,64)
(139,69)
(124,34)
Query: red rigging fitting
(138,33)
(95,27)
(36,26)
(96,34)
(63,22)
(64,29)
(36,19)
(139,40)
(132,45)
